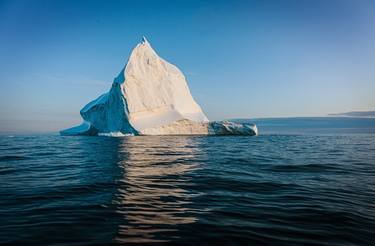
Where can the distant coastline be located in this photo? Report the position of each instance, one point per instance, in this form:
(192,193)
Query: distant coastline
(314,125)
(358,114)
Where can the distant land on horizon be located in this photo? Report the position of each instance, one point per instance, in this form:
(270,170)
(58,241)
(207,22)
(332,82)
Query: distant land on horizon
(353,114)
(314,125)
(367,114)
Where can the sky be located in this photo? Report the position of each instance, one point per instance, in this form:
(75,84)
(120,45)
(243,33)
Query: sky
(242,59)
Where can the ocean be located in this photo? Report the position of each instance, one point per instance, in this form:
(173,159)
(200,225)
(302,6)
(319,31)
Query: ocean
(302,181)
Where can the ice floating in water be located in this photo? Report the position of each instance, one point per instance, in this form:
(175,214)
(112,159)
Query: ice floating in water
(150,97)
(231,128)
(114,134)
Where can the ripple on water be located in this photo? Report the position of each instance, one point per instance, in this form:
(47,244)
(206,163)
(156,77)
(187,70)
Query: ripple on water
(12,158)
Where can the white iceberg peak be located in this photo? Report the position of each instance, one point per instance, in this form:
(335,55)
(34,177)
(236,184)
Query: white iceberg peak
(149,97)
(144,40)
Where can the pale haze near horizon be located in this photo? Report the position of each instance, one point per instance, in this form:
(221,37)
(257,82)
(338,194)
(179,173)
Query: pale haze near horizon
(242,59)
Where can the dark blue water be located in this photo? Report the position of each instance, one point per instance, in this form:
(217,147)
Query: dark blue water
(274,189)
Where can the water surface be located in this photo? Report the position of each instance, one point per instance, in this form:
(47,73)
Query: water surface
(271,189)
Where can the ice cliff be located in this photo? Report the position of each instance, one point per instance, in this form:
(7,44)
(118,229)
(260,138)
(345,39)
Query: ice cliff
(150,97)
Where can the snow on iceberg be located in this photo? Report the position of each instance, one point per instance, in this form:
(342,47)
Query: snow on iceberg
(150,97)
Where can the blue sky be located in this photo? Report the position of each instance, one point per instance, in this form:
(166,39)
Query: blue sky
(242,59)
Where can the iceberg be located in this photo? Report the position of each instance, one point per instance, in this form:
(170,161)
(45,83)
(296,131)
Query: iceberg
(150,97)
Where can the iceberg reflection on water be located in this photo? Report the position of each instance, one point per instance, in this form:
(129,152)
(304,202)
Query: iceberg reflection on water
(151,195)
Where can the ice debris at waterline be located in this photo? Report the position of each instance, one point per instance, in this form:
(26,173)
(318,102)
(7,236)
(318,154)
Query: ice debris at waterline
(150,97)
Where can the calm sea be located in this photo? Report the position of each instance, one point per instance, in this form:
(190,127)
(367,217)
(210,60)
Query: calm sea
(304,181)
